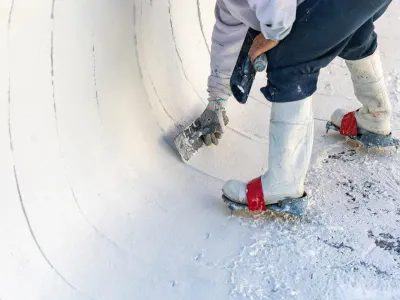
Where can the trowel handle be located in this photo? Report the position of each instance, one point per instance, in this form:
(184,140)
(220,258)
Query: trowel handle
(260,63)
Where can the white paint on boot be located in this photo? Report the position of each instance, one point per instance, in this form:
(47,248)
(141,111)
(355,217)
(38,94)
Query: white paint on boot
(370,89)
(291,139)
(235,190)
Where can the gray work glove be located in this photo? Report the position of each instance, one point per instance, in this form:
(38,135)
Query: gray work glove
(213,121)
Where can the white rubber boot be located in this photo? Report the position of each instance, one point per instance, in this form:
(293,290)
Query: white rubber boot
(290,145)
(370,89)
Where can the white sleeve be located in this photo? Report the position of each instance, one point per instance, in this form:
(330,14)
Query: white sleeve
(227,39)
(276,17)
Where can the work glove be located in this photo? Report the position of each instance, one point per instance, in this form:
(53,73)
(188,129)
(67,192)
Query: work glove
(213,121)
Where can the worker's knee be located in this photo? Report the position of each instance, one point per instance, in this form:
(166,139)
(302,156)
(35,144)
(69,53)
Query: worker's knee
(291,84)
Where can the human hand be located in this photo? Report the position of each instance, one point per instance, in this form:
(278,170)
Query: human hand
(261,45)
(213,122)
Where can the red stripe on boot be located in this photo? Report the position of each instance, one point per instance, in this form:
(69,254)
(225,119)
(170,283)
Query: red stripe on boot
(255,195)
(349,124)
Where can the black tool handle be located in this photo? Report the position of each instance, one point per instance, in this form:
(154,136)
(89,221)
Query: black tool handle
(244,73)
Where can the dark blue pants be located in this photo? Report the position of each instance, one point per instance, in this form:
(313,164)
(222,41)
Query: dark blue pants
(323,30)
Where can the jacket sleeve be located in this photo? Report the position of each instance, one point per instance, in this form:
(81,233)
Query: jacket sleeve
(227,39)
(276,17)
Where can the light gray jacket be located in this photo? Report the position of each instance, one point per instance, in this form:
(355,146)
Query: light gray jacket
(274,18)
